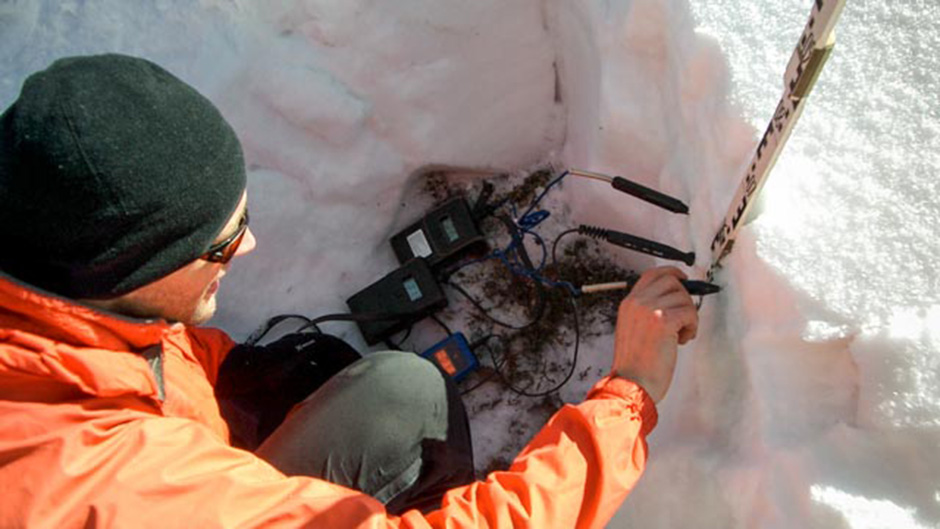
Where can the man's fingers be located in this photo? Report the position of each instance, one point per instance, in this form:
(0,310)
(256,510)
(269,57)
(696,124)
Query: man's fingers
(660,289)
(675,299)
(683,320)
(656,316)
(654,274)
(662,285)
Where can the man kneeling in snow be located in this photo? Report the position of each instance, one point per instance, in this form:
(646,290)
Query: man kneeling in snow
(122,201)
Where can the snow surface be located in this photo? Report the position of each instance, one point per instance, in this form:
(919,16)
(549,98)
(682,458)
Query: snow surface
(811,397)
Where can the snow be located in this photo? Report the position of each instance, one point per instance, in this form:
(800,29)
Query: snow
(811,397)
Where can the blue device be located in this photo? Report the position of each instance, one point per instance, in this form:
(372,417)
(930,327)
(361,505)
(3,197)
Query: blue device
(454,356)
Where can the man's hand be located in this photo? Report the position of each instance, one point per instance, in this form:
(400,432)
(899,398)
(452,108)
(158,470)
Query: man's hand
(653,320)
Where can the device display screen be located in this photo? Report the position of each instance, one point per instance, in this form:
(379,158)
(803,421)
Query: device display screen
(412,289)
(450,230)
(442,359)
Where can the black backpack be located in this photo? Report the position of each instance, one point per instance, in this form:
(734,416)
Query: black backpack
(258,385)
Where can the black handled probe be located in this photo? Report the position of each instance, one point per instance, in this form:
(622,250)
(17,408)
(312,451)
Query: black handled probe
(639,191)
(693,287)
(639,244)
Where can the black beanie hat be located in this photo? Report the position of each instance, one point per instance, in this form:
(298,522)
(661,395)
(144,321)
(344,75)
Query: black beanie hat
(113,174)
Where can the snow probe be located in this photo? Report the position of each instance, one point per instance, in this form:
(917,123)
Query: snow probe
(803,70)
(632,242)
(639,191)
(639,244)
(695,288)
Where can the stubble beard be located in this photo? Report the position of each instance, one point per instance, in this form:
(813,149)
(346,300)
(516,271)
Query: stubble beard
(203,312)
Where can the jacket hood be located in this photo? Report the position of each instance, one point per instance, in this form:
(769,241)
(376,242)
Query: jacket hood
(49,340)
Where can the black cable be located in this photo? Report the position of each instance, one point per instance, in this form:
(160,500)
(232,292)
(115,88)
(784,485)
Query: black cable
(361,317)
(574,362)
(473,346)
(314,323)
(480,384)
(406,336)
(482,207)
(557,240)
(260,333)
(441,324)
(481,341)
(400,345)
(539,309)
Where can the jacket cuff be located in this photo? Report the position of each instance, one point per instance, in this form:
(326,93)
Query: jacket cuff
(637,399)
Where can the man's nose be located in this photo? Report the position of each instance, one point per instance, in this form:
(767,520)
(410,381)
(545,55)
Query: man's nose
(248,243)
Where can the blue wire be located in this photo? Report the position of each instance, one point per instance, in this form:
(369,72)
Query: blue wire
(541,242)
(530,221)
(542,195)
(527,223)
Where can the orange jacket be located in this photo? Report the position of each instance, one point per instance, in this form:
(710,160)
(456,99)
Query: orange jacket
(89,437)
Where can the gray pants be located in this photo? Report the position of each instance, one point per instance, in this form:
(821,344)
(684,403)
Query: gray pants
(391,425)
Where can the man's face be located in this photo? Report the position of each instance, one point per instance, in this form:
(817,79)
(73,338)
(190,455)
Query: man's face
(188,295)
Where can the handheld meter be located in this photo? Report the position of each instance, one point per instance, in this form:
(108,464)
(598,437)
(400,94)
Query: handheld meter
(453,356)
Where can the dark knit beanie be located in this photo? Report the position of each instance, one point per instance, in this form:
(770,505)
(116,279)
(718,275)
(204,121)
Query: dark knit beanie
(113,174)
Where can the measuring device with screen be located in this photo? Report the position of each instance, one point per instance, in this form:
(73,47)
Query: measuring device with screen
(441,237)
(453,355)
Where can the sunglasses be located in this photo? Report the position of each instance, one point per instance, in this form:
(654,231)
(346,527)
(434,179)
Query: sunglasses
(225,250)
